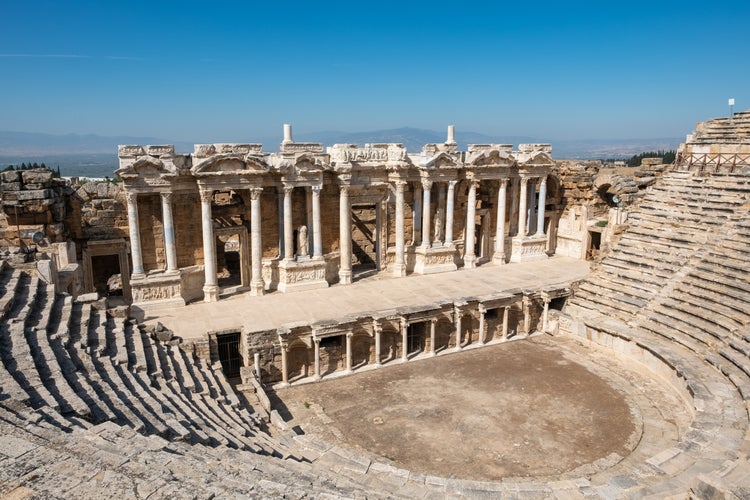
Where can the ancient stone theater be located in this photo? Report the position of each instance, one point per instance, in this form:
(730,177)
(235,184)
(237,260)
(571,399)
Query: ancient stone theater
(366,321)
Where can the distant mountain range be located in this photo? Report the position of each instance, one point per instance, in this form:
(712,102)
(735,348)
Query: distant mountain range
(96,156)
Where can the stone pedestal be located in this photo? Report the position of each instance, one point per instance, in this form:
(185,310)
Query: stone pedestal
(161,288)
(302,274)
(529,248)
(438,259)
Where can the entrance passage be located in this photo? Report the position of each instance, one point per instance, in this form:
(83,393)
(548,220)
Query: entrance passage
(415,337)
(105,270)
(229,353)
(364,237)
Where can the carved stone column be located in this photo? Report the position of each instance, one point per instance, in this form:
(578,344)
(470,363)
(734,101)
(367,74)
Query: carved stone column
(404,340)
(256,278)
(210,286)
(527,314)
(450,201)
(378,331)
(317,232)
(506,314)
(426,208)
(545,312)
(542,206)
(170,246)
(399,264)
(524,191)
(284,367)
(288,228)
(470,258)
(256,364)
(482,324)
(345,236)
(280,200)
(349,336)
(135,235)
(316,375)
(432,336)
(499,257)
(457,322)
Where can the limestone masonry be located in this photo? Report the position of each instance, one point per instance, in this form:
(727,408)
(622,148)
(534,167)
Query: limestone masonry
(151,324)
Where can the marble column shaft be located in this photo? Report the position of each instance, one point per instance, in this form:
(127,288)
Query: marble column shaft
(170,245)
(288,228)
(345,236)
(284,368)
(399,265)
(378,331)
(256,278)
(349,351)
(404,341)
(426,209)
(542,206)
(471,204)
(499,257)
(135,234)
(432,336)
(316,342)
(317,231)
(450,201)
(482,324)
(506,314)
(280,198)
(209,247)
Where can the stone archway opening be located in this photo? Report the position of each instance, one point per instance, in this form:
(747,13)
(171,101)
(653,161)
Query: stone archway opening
(107,275)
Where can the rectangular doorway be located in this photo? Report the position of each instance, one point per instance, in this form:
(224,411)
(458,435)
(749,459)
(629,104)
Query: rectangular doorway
(415,335)
(229,353)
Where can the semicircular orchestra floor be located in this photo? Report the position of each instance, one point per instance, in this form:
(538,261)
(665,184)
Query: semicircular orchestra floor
(533,408)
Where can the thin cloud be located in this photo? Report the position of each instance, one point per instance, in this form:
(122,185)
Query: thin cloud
(69,56)
(47,56)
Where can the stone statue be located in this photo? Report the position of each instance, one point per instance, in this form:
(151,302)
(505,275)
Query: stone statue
(302,241)
(437,232)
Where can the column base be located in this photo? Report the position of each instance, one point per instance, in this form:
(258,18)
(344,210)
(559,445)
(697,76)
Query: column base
(470,261)
(210,293)
(499,260)
(257,288)
(399,270)
(316,377)
(345,277)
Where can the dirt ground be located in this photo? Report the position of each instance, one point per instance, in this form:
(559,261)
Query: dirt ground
(526,408)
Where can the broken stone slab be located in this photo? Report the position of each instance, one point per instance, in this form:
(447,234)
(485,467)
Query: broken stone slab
(36,194)
(160,332)
(37,176)
(88,297)
(10,176)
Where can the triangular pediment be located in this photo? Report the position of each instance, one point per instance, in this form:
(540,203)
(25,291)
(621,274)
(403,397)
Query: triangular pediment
(494,157)
(539,159)
(440,160)
(230,164)
(147,166)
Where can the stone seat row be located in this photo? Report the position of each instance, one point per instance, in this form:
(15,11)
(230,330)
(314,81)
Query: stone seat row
(86,368)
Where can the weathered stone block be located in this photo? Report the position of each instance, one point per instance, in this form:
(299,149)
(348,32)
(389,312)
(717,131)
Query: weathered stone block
(37,176)
(10,176)
(37,194)
(11,186)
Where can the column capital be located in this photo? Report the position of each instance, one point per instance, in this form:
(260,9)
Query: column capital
(288,189)
(131,197)
(349,335)
(503,181)
(166,196)
(344,188)
(433,321)
(426,184)
(255,193)
(452,184)
(524,180)
(284,346)
(316,339)
(543,180)
(207,194)
(482,309)
(399,184)
(316,188)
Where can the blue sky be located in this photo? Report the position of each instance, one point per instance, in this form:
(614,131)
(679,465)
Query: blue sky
(229,71)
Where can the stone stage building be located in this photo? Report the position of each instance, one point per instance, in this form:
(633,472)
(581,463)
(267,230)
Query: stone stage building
(304,218)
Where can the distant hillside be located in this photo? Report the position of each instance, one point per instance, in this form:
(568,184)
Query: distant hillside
(96,156)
